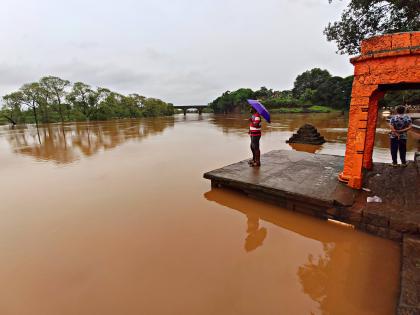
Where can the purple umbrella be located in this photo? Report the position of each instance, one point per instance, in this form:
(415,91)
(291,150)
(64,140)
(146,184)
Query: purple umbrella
(260,109)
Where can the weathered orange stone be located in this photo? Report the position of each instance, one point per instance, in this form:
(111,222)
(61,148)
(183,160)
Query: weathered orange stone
(388,60)
(359,101)
(363,69)
(391,53)
(401,40)
(415,39)
(377,43)
(363,89)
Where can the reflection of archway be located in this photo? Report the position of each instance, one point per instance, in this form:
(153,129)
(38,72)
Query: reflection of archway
(388,62)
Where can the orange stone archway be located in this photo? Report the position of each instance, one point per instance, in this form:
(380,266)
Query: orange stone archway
(387,62)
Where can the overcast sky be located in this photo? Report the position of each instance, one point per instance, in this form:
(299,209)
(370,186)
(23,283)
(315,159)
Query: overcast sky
(182,51)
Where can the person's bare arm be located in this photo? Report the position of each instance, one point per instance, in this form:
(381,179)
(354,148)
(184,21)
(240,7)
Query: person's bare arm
(405,129)
(394,131)
(392,128)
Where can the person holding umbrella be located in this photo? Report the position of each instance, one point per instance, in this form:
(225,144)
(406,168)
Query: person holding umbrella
(257,110)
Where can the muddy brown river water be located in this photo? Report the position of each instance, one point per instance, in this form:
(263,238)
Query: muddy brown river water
(115,218)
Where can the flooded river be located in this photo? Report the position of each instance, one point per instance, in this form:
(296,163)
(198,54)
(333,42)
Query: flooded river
(115,218)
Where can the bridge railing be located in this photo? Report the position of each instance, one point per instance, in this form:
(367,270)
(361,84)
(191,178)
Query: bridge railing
(185,108)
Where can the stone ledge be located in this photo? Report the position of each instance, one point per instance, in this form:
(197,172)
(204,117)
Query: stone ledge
(385,53)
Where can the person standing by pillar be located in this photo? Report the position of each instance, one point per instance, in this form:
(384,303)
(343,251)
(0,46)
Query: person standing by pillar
(255,134)
(400,124)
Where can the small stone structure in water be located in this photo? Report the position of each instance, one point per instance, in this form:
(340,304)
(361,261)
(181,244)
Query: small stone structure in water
(307,134)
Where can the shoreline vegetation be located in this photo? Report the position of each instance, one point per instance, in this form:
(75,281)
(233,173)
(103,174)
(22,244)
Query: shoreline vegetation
(314,91)
(52,100)
(314,109)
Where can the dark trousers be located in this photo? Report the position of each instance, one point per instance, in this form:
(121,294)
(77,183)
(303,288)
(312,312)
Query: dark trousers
(255,146)
(398,145)
(255,143)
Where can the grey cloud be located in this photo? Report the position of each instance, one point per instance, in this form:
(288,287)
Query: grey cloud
(14,74)
(85,45)
(182,52)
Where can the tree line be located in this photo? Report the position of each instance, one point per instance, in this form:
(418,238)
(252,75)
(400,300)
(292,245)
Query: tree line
(312,87)
(311,90)
(53,99)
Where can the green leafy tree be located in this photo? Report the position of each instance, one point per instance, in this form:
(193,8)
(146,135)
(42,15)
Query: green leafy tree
(312,87)
(334,92)
(366,18)
(282,102)
(134,103)
(230,102)
(395,98)
(263,93)
(307,98)
(56,91)
(153,107)
(52,98)
(31,97)
(309,80)
(79,97)
(45,103)
(12,108)
(85,99)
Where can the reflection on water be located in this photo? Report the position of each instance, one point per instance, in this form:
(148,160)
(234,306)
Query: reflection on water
(256,235)
(310,148)
(334,275)
(332,126)
(64,143)
(122,225)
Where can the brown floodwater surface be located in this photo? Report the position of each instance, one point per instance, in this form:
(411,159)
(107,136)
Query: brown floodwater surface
(115,218)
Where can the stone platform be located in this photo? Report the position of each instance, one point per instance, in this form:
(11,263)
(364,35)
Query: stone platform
(307,183)
(299,181)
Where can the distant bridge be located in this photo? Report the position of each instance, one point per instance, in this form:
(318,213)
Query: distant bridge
(184,108)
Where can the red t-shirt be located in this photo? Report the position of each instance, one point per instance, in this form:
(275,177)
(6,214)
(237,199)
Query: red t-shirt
(255,125)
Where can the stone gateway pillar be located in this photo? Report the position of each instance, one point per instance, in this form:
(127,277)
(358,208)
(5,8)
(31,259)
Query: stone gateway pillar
(387,62)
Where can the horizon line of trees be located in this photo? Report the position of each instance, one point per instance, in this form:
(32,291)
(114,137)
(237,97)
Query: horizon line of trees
(312,87)
(53,99)
(315,87)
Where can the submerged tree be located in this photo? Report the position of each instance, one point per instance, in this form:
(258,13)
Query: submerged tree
(154,107)
(55,87)
(12,109)
(134,103)
(31,97)
(366,18)
(51,99)
(86,99)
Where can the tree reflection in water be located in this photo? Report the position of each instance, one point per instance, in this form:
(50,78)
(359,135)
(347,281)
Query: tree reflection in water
(66,143)
(341,279)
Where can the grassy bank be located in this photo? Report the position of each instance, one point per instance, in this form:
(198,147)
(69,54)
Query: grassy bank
(311,109)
